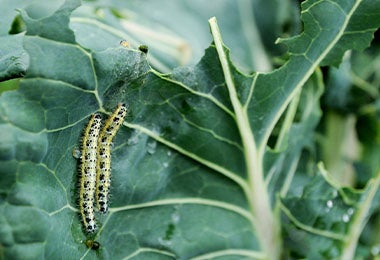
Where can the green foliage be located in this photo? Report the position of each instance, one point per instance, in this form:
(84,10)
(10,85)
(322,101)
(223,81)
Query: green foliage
(212,161)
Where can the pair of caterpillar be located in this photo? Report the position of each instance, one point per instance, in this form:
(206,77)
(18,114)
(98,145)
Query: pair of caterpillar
(95,166)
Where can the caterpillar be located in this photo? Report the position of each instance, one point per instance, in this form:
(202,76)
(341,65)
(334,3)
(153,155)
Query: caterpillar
(103,167)
(88,173)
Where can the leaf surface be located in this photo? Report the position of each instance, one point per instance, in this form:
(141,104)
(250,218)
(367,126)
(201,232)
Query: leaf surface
(189,164)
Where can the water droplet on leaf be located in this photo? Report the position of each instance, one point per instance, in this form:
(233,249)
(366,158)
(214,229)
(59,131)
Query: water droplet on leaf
(151,147)
(134,139)
(76,153)
(165,242)
(175,217)
(375,250)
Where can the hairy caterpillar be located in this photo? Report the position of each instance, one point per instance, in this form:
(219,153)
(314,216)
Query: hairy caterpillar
(88,172)
(103,167)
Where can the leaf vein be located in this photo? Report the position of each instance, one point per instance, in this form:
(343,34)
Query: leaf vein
(307,228)
(200,201)
(231,175)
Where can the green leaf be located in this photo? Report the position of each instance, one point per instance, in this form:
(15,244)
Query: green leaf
(333,34)
(13,61)
(181,37)
(13,58)
(296,136)
(328,225)
(53,27)
(193,175)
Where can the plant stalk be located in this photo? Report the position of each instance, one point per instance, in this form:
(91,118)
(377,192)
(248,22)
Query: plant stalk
(266,225)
